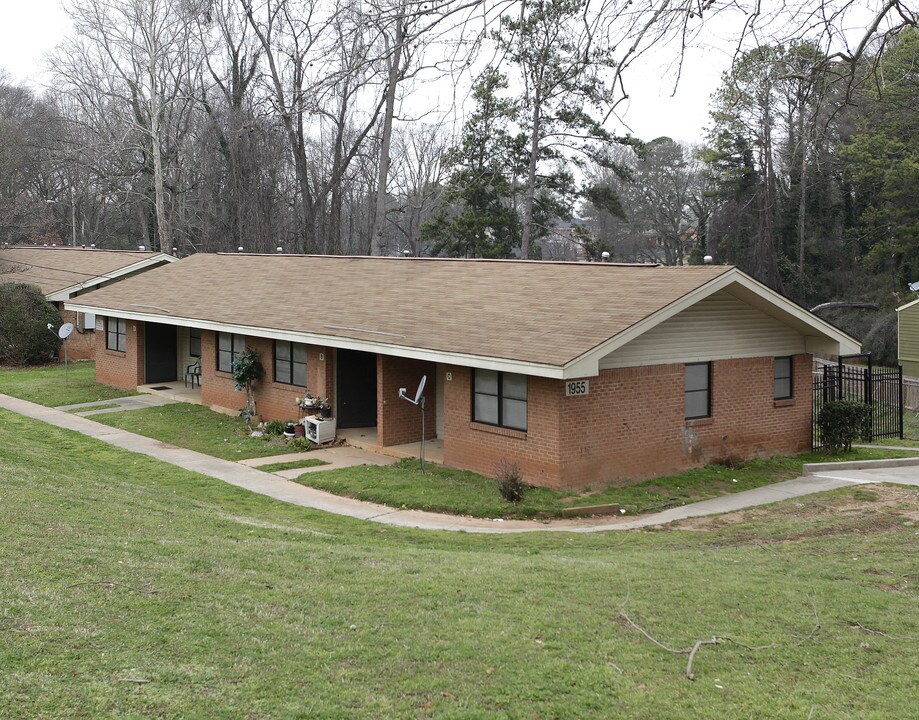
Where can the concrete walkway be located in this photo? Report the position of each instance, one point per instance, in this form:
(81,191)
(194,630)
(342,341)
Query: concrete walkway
(132,402)
(341,456)
(251,478)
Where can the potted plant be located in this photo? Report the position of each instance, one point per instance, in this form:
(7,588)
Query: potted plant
(290,430)
(325,408)
(308,404)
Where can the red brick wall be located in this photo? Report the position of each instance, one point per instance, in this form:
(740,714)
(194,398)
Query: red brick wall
(631,426)
(484,449)
(122,369)
(399,421)
(80,345)
(274,401)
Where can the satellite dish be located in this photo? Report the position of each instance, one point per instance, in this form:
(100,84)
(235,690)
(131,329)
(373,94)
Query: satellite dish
(424,379)
(64,331)
(419,400)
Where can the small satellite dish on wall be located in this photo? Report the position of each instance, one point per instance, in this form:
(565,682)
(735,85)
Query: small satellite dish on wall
(419,400)
(63,332)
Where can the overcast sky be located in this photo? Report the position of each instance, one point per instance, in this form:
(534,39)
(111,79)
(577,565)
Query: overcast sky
(30,28)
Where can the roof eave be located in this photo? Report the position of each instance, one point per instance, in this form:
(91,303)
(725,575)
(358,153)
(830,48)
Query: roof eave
(68,292)
(463,359)
(588,364)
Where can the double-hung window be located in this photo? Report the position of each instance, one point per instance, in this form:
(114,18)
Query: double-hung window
(499,398)
(782,385)
(116,334)
(290,363)
(698,391)
(229,347)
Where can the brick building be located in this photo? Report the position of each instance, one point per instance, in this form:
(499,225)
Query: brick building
(63,273)
(580,374)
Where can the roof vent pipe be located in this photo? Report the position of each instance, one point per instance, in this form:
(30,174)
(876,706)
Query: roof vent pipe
(708,259)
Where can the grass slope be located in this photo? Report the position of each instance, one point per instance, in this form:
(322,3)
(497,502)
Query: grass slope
(45,384)
(233,605)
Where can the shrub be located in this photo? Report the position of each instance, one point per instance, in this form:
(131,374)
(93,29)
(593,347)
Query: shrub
(275,427)
(24,335)
(510,485)
(300,443)
(841,422)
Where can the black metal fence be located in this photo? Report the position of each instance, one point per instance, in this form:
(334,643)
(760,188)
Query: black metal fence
(879,388)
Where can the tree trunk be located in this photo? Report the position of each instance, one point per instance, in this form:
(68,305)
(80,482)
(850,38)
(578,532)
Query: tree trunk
(395,72)
(531,183)
(802,199)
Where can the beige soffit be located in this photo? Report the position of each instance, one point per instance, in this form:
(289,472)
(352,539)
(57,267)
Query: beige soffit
(62,272)
(542,318)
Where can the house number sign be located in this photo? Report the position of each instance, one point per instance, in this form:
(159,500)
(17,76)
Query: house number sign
(576,388)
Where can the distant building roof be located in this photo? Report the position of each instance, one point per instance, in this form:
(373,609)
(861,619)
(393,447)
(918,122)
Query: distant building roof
(62,272)
(542,318)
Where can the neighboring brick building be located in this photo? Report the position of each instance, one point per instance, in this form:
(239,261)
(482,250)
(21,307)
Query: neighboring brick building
(63,273)
(579,374)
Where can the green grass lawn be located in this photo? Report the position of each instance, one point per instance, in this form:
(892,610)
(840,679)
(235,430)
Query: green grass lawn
(116,567)
(197,428)
(293,465)
(465,493)
(45,384)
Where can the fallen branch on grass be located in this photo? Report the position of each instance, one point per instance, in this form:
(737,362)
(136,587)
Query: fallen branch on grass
(135,681)
(714,640)
(872,631)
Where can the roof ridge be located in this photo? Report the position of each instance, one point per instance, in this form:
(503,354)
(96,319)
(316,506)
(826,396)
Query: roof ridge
(435,259)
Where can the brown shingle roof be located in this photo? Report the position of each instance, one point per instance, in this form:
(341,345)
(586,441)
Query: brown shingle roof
(55,269)
(535,312)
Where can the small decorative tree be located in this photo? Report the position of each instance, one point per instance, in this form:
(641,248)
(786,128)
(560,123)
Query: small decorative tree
(247,369)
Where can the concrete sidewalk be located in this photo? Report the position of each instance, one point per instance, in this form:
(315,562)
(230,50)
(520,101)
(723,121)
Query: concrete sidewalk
(130,402)
(278,488)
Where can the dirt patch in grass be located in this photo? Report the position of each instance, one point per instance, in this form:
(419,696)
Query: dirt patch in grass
(849,510)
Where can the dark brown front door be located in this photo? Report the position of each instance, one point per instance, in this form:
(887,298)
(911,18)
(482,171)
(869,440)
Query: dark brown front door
(357,389)
(160,349)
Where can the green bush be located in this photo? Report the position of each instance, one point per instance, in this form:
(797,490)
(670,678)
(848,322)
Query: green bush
(841,422)
(275,428)
(300,443)
(24,317)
